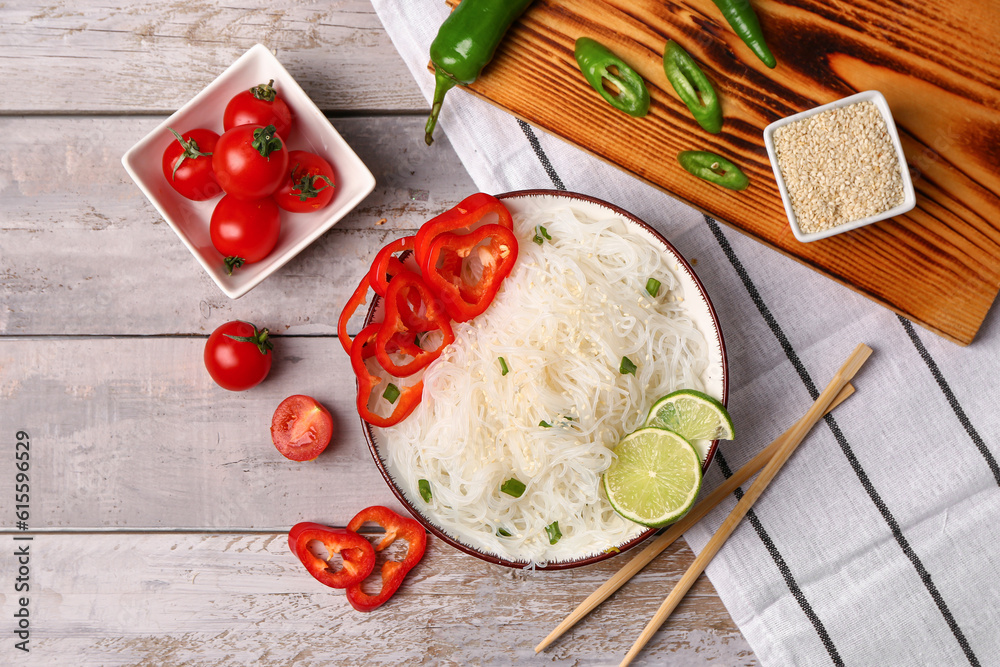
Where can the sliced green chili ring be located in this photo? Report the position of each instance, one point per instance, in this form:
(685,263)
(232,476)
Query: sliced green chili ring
(544,424)
(714,169)
(693,87)
(552,530)
(503,367)
(513,487)
(425,490)
(652,287)
(595,61)
(627,366)
(744,22)
(391,393)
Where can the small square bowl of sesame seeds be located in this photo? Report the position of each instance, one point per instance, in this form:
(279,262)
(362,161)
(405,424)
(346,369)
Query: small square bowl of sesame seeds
(840,166)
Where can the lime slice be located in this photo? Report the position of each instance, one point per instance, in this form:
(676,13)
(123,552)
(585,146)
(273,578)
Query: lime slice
(654,478)
(693,415)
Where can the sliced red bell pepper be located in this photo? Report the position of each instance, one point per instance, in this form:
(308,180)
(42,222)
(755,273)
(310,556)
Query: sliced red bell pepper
(393,571)
(398,302)
(357,300)
(464,300)
(356,552)
(468,212)
(409,397)
(387,265)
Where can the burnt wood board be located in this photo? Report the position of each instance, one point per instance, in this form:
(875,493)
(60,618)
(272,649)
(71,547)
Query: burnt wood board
(937,62)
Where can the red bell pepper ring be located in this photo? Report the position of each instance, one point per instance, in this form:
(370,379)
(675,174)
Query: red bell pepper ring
(464,300)
(357,300)
(467,213)
(387,265)
(393,571)
(356,552)
(409,397)
(397,303)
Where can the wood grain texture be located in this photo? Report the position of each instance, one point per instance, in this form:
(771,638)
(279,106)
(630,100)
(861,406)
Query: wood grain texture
(142,55)
(939,265)
(242,599)
(75,231)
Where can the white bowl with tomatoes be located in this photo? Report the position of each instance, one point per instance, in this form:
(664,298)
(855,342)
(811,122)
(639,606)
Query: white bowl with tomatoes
(249,172)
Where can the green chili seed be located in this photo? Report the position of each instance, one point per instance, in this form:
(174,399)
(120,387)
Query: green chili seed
(714,169)
(425,490)
(693,87)
(391,393)
(627,366)
(596,62)
(513,487)
(503,367)
(653,287)
(553,532)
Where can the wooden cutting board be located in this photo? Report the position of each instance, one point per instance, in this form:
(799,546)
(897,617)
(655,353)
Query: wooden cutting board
(937,62)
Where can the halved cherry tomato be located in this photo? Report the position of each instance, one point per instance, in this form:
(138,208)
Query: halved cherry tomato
(392,572)
(187,164)
(301,428)
(357,553)
(261,105)
(245,230)
(250,161)
(238,356)
(310,185)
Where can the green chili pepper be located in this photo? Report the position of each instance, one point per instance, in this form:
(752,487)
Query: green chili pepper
(714,168)
(596,61)
(744,22)
(693,87)
(425,490)
(464,45)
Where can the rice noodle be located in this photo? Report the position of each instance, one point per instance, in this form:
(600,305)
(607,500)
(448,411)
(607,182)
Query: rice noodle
(565,317)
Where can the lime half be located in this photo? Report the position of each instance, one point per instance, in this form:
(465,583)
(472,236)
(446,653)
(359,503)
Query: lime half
(654,478)
(693,415)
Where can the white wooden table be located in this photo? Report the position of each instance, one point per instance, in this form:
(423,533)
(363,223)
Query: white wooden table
(158,507)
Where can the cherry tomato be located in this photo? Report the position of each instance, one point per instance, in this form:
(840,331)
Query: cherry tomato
(244,230)
(238,356)
(310,185)
(260,105)
(250,161)
(187,164)
(301,428)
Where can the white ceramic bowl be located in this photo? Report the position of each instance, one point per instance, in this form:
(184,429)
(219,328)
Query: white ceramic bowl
(311,131)
(909,197)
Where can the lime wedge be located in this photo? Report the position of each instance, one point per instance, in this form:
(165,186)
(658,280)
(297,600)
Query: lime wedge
(693,415)
(654,478)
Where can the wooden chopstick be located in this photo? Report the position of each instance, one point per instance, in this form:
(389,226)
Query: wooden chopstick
(797,434)
(668,537)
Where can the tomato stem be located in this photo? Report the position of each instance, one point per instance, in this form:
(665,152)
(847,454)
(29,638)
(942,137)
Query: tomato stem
(233,263)
(265,141)
(259,338)
(264,91)
(191,150)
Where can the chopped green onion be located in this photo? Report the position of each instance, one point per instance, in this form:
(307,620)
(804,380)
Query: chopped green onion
(553,532)
(627,366)
(544,424)
(502,533)
(391,393)
(425,490)
(513,487)
(541,235)
(653,286)
(503,367)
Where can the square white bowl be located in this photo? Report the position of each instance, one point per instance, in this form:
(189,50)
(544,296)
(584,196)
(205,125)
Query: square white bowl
(311,131)
(909,196)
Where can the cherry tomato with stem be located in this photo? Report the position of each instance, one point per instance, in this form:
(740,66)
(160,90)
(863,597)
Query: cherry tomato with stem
(250,162)
(301,428)
(238,355)
(261,105)
(310,185)
(244,230)
(187,164)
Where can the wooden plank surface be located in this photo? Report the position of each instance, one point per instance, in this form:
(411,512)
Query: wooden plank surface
(939,265)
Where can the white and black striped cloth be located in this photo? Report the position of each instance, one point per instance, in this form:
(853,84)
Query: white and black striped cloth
(879,541)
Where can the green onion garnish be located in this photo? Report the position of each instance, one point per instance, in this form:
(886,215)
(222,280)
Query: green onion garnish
(503,367)
(391,393)
(425,490)
(541,235)
(544,424)
(416,341)
(502,533)
(513,487)
(653,286)
(553,532)
(627,366)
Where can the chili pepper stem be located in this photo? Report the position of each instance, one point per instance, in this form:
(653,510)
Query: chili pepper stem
(442,84)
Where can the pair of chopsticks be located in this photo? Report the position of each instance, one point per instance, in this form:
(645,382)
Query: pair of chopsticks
(770,459)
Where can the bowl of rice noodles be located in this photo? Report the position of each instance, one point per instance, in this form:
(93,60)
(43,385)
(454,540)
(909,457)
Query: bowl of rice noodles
(532,390)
